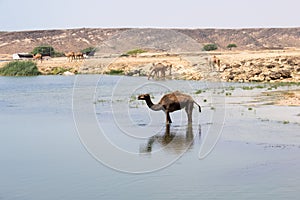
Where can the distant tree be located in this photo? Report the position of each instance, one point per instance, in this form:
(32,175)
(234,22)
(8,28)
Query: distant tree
(58,54)
(230,46)
(89,51)
(45,50)
(210,47)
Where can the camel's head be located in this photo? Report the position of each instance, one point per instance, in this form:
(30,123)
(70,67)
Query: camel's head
(144,96)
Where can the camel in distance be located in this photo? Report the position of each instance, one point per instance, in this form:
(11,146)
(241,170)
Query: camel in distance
(79,56)
(159,69)
(38,56)
(74,56)
(213,62)
(172,102)
(70,56)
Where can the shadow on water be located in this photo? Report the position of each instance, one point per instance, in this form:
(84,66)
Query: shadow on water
(175,139)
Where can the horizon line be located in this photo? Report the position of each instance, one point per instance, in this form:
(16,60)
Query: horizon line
(150,27)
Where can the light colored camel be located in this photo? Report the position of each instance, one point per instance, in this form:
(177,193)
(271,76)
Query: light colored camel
(38,56)
(213,61)
(172,102)
(70,56)
(159,68)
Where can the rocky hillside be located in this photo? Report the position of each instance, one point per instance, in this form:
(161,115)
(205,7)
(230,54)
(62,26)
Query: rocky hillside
(253,39)
(61,40)
(77,39)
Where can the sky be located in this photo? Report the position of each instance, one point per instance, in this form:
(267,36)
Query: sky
(62,14)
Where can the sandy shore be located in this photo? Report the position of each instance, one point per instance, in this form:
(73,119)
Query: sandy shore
(192,66)
(181,63)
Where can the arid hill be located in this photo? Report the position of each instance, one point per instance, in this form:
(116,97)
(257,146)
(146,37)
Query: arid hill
(61,40)
(77,39)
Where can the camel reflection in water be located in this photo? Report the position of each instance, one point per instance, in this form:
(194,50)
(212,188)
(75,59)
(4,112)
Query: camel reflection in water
(173,140)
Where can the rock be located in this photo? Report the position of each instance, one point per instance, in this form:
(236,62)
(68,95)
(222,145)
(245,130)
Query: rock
(290,62)
(236,65)
(136,72)
(274,75)
(257,78)
(68,73)
(256,72)
(225,67)
(247,64)
(283,60)
(259,64)
(270,66)
(230,77)
(285,73)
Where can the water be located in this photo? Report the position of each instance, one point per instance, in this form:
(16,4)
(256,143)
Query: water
(42,156)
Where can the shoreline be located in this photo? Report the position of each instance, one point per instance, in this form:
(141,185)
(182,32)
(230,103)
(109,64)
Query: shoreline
(265,66)
(235,66)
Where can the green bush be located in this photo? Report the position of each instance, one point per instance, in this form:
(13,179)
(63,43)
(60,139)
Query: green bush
(230,46)
(58,70)
(198,92)
(58,54)
(89,51)
(47,50)
(115,72)
(210,47)
(20,68)
(135,52)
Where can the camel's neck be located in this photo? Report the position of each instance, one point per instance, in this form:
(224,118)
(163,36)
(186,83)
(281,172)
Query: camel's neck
(152,106)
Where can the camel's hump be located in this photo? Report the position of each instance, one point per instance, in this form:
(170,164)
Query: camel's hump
(175,97)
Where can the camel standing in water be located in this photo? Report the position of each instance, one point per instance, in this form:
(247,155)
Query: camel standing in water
(172,102)
(38,56)
(159,68)
(70,56)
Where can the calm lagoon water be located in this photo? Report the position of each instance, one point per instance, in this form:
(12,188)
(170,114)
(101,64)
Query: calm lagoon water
(42,156)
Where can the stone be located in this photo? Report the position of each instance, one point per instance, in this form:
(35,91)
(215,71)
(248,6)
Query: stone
(290,62)
(270,66)
(274,75)
(236,65)
(68,73)
(285,73)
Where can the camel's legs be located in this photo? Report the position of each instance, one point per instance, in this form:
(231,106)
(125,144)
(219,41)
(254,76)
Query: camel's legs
(189,112)
(163,73)
(168,118)
(156,74)
(150,74)
(170,72)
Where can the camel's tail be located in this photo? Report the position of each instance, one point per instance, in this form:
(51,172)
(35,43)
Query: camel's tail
(198,106)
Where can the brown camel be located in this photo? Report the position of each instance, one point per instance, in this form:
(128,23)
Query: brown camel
(38,56)
(159,68)
(70,56)
(172,102)
(79,56)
